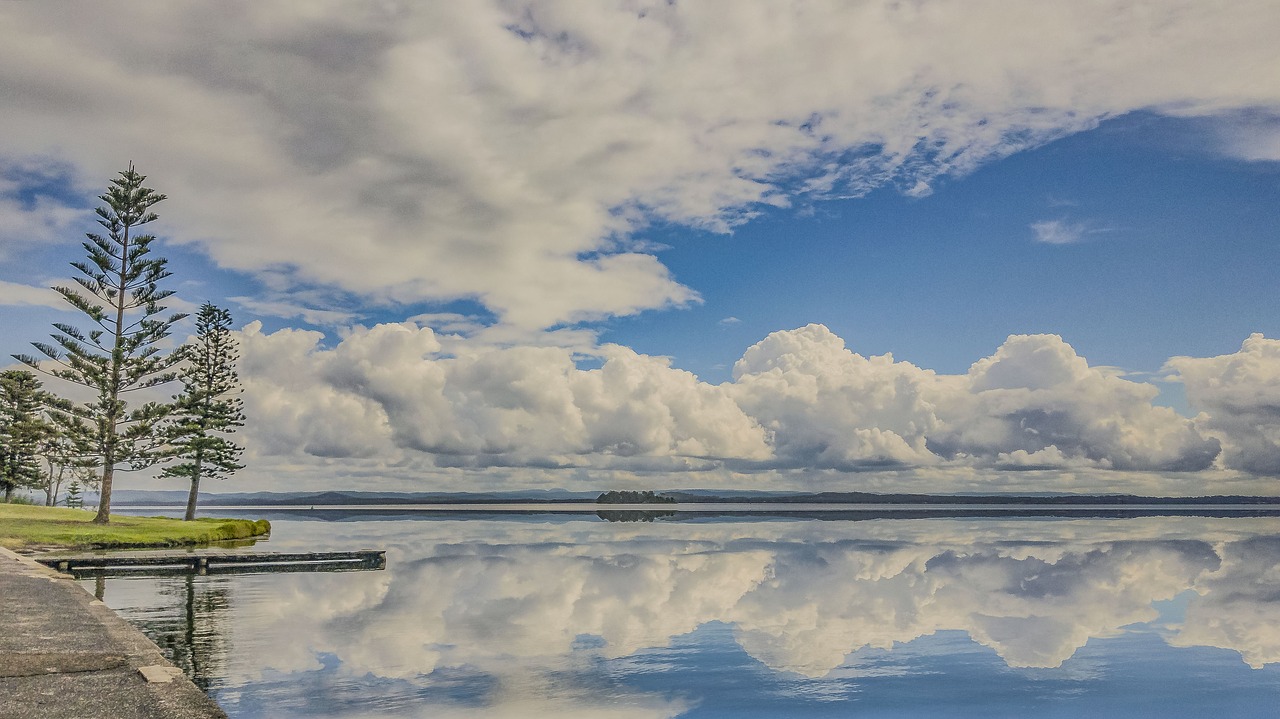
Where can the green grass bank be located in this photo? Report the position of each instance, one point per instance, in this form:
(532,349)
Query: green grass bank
(24,526)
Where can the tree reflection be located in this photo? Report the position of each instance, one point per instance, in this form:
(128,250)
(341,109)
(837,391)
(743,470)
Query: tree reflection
(193,636)
(633,515)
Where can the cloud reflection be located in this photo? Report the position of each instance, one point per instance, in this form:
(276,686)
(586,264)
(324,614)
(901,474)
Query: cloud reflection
(798,603)
(533,618)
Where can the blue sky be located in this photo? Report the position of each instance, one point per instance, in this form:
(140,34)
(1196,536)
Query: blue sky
(1175,252)
(478,245)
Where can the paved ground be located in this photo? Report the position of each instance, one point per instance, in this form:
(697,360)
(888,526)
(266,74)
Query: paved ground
(65,655)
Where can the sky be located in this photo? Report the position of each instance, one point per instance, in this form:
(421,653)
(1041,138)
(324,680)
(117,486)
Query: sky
(909,246)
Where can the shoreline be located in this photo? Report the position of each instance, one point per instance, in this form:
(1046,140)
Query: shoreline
(65,653)
(26,527)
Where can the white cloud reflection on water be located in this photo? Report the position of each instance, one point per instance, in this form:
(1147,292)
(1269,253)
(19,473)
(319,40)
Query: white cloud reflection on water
(539,617)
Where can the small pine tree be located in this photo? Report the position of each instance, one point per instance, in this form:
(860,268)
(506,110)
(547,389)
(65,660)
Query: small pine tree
(119,292)
(74,498)
(208,409)
(22,429)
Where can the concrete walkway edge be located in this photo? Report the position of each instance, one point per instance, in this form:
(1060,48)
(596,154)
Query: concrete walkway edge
(66,655)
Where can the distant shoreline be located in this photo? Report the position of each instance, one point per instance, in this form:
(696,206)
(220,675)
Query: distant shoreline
(770,507)
(684,500)
(740,510)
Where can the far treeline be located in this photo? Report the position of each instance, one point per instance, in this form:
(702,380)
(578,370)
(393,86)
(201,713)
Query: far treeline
(109,362)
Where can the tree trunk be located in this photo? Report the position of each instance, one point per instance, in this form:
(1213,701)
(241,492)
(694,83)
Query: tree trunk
(195,491)
(104,500)
(113,390)
(57,486)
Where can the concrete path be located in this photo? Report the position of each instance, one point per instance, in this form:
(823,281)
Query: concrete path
(65,655)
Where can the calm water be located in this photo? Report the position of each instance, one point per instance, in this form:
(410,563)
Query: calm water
(574,616)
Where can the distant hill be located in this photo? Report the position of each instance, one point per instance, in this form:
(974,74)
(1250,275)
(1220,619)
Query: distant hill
(135,497)
(953,499)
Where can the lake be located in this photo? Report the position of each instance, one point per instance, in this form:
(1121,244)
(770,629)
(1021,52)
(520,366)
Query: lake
(564,615)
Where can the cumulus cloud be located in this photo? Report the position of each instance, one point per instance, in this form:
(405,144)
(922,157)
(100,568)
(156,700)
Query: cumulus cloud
(1036,394)
(829,407)
(799,399)
(1033,403)
(391,387)
(1239,396)
(295,408)
(507,151)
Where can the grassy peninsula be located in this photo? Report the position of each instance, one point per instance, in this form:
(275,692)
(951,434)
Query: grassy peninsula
(24,526)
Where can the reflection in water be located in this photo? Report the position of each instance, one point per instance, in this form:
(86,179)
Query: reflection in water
(197,644)
(1239,606)
(633,515)
(567,616)
(186,623)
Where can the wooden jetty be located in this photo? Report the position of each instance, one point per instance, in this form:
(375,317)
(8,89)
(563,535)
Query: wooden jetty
(216,562)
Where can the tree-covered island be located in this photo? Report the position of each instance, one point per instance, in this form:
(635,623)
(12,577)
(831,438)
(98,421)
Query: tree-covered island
(627,496)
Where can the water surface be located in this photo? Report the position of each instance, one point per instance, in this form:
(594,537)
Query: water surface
(527,615)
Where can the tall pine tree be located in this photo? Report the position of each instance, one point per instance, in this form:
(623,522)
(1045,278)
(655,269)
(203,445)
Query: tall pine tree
(119,292)
(208,409)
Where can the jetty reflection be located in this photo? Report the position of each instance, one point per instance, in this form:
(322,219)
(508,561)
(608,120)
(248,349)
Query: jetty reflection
(121,564)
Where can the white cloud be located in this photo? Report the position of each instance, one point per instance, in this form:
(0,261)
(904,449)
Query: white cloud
(506,151)
(1058,232)
(829,407)
(294,410)
(288,310)
(389,387)
(1035,393)
(1065,232)
(449,322)
(41,221)
(1239,398)
(799,400)
(29,214)
(17,294)
(1252,136)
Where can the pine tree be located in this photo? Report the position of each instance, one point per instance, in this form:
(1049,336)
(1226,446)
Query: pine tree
(208,409)
(22,429)
(74,498)
(119,291)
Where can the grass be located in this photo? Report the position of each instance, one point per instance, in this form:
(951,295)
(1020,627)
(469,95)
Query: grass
(24,526)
